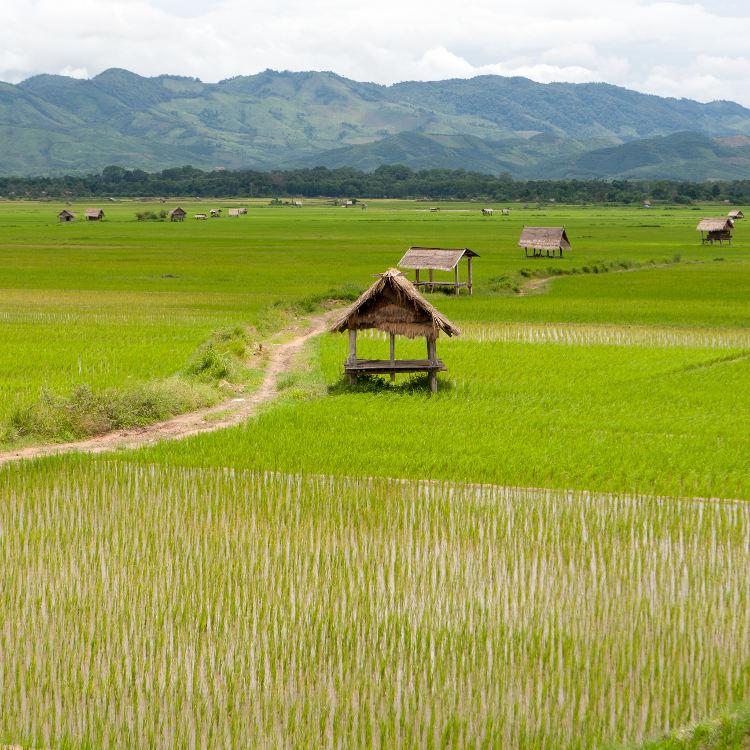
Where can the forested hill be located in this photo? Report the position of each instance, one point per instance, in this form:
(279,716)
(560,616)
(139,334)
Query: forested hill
(275,120)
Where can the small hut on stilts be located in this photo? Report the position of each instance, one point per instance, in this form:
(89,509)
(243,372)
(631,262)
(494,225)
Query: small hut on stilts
(716,230)
(542,240)
(393,305)
(432,259)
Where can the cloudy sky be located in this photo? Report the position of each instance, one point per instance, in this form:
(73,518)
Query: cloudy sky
(693,48)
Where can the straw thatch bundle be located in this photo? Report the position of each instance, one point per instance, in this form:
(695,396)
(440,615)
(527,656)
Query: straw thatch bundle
(715,225)
(393,305)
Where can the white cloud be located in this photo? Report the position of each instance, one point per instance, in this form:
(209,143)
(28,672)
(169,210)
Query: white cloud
(658,47)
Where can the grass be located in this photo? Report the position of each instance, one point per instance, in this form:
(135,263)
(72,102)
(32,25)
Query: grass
(657,419)
(729,731)
(150,606)
(86,412)
(121,302)
(253,587)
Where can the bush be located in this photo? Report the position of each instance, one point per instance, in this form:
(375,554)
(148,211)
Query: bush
(150,215)
(221,358)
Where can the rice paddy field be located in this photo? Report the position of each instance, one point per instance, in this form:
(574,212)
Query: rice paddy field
(551,552)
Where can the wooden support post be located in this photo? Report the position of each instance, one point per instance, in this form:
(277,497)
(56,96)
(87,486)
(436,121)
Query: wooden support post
(352,346)
(456,278)
(471,280)
(431,350)
(432,288)
(432,357)
(393,356)
(416,278)
(352,358)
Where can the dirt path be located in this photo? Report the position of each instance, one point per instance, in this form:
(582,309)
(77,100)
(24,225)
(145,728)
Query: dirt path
(535,285)
(231,412)
(540,284)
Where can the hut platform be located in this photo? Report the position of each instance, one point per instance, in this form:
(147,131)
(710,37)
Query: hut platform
(430,285)
(387,367)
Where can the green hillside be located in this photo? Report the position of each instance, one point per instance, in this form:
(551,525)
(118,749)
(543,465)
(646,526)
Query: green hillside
(489,123)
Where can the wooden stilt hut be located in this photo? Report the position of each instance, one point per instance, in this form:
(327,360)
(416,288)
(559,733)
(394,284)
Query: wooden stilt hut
(393,305)
(544,240)
(432,259)
(716,230)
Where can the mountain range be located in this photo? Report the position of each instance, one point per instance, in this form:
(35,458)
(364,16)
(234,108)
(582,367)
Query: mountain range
(55,124)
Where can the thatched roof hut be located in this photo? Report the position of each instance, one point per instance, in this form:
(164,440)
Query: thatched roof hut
(439,259)
(93,214)
(66,215)
(393,305)
(716,230)
(233,213)
(177,214)
(735,215)
(544,239)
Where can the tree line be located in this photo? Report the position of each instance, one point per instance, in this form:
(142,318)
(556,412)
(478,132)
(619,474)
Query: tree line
(393,181)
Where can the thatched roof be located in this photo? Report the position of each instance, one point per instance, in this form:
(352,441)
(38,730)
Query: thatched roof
(93,213)
(715,225)
(179,211)
(736,215)
(435,258)
(65,212)
(544,238)
(393,304)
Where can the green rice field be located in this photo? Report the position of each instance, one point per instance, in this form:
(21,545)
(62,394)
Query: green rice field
(553,551)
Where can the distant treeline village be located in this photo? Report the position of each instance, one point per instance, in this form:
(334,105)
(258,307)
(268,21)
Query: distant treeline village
(384,182)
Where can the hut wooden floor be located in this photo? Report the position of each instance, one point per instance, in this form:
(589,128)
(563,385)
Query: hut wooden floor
(386,367)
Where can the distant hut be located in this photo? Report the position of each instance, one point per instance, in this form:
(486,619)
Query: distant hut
(93,214)
(393,305)
(201,217)
(540,240)
(716,230)
(736,215)
(243,211)
(65,216)
(433,259)
(487,212)
(647,204)
(297,203)
(215,213)
(234,213)
(506,212)
(177,214)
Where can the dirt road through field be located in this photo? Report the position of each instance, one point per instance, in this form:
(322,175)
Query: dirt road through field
(231,412)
